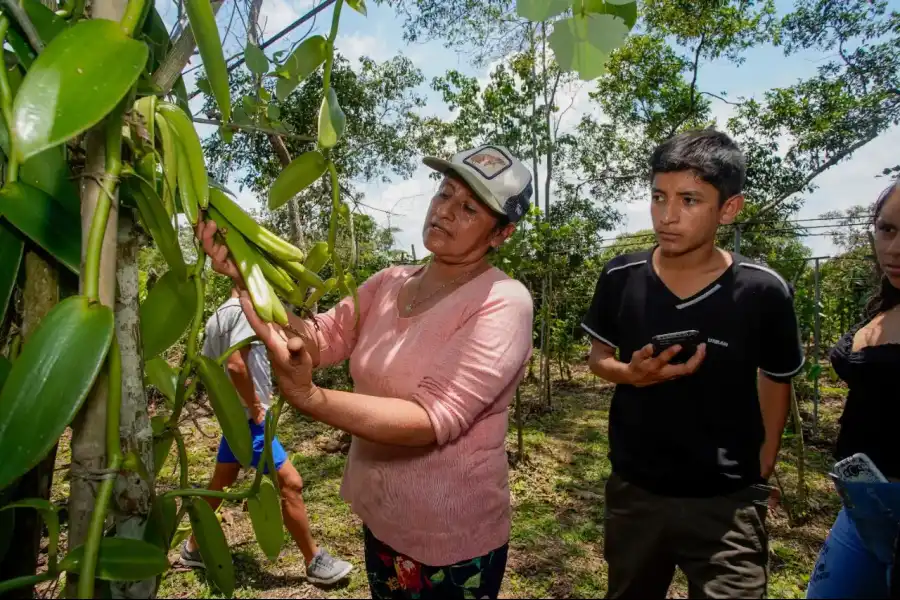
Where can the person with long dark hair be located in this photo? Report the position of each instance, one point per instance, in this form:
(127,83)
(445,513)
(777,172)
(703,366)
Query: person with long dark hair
(867,358)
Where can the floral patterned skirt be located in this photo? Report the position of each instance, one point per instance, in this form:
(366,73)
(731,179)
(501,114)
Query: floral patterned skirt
(395,576)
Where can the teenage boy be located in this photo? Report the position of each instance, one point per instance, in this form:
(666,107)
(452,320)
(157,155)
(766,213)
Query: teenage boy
(250,372)
(694,428)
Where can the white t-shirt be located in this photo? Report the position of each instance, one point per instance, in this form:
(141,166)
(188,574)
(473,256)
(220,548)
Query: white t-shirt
(226,327)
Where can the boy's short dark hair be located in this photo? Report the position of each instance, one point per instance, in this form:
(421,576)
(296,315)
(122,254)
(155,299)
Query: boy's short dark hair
(711,154)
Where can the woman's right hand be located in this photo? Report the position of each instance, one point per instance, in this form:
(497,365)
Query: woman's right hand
(217,252)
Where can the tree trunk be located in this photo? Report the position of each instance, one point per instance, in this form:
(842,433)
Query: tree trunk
(41,293)
(132,495)
(89,426)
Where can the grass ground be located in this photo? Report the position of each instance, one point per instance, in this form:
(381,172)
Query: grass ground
(556,548)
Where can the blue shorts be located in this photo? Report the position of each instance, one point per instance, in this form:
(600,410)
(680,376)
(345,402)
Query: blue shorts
(257,432)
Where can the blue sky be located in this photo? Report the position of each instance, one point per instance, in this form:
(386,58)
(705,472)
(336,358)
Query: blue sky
(380,37)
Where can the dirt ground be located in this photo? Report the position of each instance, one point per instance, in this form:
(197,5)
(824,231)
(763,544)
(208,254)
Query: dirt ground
(556,548)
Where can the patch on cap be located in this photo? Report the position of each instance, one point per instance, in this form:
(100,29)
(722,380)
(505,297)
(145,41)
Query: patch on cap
(489,161)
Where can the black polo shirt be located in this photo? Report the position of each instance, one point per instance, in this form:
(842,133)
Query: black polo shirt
(698,435)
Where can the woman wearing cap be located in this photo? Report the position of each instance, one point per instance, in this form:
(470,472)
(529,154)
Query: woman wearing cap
(436,358)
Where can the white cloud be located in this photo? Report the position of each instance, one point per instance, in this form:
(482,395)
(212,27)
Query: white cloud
(275,15)
(354,46)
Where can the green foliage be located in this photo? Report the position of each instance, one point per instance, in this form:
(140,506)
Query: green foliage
(41,218)
(49,381)
(167,312)
(97,51)
(121,559)
(265,514)
(11,248)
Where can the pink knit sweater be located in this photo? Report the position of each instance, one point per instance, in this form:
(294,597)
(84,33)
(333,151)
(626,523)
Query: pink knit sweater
(461,360)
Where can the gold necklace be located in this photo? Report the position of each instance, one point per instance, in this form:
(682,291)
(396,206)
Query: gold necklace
(415,300)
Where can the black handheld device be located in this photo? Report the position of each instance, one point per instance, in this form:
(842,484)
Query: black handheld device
(688,340)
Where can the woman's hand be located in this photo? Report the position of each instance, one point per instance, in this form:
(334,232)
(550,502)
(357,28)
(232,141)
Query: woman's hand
(217,252)
(291,363)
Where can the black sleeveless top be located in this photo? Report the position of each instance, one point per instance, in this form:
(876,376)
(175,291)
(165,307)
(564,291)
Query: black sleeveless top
(871,420)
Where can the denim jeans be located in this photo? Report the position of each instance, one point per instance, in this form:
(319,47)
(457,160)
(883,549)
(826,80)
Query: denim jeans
(846,568)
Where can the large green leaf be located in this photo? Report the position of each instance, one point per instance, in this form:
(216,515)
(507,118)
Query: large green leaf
(41,218)
(296,177)
(305,59)
(203,24)
(213,546)
(156,219)
(228,408)
(161,522)
(47,23)
(166,313)
(12,245)
(121,559)
(158,373)
(541,10)
(76,81)
(47,171)
(627,10)
(50,380)
(332,120)
(583,43)
(256,59)
(265,514)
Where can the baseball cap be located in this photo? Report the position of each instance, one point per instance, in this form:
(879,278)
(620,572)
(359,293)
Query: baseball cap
(499,179)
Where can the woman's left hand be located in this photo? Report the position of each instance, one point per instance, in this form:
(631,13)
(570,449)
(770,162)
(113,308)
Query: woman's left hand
(291,363)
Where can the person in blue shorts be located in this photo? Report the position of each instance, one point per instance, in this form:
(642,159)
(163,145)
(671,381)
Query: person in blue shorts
(250,372)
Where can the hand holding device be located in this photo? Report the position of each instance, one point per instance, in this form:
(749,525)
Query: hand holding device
(648,367)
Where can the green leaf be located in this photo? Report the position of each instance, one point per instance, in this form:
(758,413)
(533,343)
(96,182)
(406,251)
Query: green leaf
(264,94)
(47,23)
(181,96)
(213,546)
(203,86)
(162,446)
(157,36)
(12,246)
(332,120)
(158,373)
(42,220)
(438,577)
(76,81)
(215,184)
(306,58)
(265,514)
(583,43)
(161,522)
(296,177)
(166,313)
(50,515)
(227,134)
(228,408)
(541,10)
(626,10)
(47,171)
(273,112)
(121,559)
(50,380)
(188,147)
(203,24)
(814,372)
(155,218)
(359,6)
(284,87)
(256,59)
